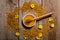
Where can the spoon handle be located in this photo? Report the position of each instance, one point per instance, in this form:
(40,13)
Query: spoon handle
(48,14)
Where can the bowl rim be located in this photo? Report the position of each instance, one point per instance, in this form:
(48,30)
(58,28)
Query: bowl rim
(26,15)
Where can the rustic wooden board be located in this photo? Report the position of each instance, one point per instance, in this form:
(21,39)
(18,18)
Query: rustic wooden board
(5,6)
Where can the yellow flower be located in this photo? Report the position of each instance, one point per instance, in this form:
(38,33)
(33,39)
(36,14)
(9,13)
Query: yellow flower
(25,37)
(16,16)
(40,34)
(17,34)
(50,19)
(40,26)
(32,5)
(37,38)
(52,25)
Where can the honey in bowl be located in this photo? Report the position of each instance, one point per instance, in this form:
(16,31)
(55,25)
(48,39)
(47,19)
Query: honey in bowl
(27,18)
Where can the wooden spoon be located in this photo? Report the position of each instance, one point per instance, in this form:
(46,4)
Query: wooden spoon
(43,16)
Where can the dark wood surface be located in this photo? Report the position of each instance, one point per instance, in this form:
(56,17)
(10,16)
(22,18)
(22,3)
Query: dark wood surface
(5,6)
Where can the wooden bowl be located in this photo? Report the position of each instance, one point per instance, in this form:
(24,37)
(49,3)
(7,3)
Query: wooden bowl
(29,17)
